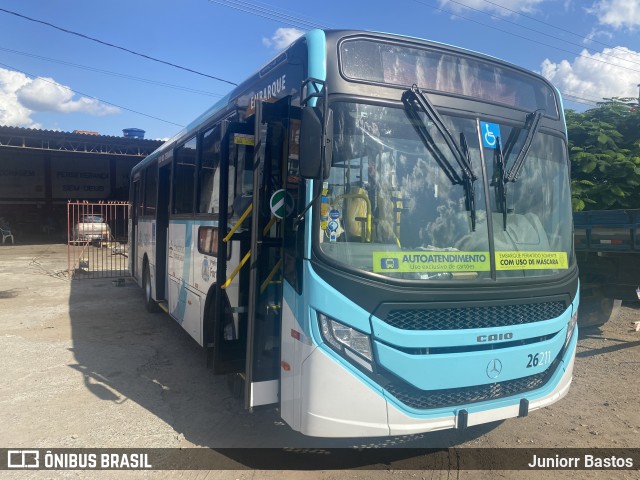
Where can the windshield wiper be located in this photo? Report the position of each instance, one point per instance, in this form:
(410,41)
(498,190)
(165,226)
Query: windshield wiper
(531,124)
(499,182)
(469,189)
(501,176)
(413,99)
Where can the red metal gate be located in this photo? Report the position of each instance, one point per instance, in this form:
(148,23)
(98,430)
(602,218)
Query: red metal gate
(98,235)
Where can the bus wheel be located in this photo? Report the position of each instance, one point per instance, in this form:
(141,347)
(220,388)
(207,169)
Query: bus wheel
(149,302)
(228,328)
(235,382)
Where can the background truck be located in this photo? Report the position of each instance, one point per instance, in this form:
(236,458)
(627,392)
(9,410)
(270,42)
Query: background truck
(607,246)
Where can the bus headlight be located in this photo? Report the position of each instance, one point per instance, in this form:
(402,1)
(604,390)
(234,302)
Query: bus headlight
(571,326)
(352,343)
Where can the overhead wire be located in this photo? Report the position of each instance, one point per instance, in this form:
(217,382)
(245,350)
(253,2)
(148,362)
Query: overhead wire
(264,12)
(523,37)
(115,74)
(267,12)
(530,40)
(108,44)
(578,99)
(90,96)
(496,17)
(562,29)
(270,13)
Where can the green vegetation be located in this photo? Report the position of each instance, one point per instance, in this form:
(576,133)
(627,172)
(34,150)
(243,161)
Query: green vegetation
(604,147)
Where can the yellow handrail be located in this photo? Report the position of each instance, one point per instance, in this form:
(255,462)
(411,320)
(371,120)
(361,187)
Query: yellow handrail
(235,272)
(269,225)
(238,223)
(266,282)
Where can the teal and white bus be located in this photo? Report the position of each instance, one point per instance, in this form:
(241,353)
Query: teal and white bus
(374,233)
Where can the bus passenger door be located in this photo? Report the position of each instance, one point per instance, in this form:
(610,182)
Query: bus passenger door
(160,232)
(225,322)
(270,206)
(136,200)
(255,151)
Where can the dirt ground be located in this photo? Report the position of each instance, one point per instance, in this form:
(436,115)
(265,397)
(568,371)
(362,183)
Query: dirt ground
(84,365)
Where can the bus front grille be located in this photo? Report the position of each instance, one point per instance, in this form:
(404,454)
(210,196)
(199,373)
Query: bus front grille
(428,399)
(463,318)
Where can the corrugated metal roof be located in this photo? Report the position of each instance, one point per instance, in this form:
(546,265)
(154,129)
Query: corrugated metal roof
(80,143)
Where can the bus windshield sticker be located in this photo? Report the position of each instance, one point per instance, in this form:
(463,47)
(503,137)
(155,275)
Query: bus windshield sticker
(421,261)
(531,260)
(242,139)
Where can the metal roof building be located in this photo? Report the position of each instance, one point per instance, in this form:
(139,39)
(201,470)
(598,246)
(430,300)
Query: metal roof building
(42,170)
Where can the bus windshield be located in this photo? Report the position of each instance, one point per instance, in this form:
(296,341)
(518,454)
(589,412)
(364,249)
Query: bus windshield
(388,207)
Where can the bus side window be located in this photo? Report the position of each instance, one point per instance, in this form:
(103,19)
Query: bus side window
(208,241)
(137,196)
(243,174)
(150,189)
(207,174)
(244,185)
(184,177)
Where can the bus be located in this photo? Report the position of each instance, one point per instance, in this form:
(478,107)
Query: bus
(373,233)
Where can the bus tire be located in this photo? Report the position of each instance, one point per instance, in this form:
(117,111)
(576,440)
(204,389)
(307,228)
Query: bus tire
(597,310)
(149,302)
(235,383)
(229,329)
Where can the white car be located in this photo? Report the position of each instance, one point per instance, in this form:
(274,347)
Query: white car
(91,228)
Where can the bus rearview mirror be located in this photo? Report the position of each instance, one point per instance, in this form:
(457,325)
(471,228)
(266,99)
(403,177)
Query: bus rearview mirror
(315,148)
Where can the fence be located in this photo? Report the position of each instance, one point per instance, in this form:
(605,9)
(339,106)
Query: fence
(98,235)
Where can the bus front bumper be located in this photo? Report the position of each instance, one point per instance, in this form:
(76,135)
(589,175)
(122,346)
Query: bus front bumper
(339,404)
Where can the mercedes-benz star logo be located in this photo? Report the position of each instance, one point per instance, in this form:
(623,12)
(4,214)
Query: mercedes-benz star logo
(494,368)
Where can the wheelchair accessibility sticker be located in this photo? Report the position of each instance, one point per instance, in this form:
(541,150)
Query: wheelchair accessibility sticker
(490,131)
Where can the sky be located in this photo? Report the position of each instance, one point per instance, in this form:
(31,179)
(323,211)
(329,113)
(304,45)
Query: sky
(56,80)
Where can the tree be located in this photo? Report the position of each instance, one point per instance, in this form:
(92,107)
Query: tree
(604,148)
